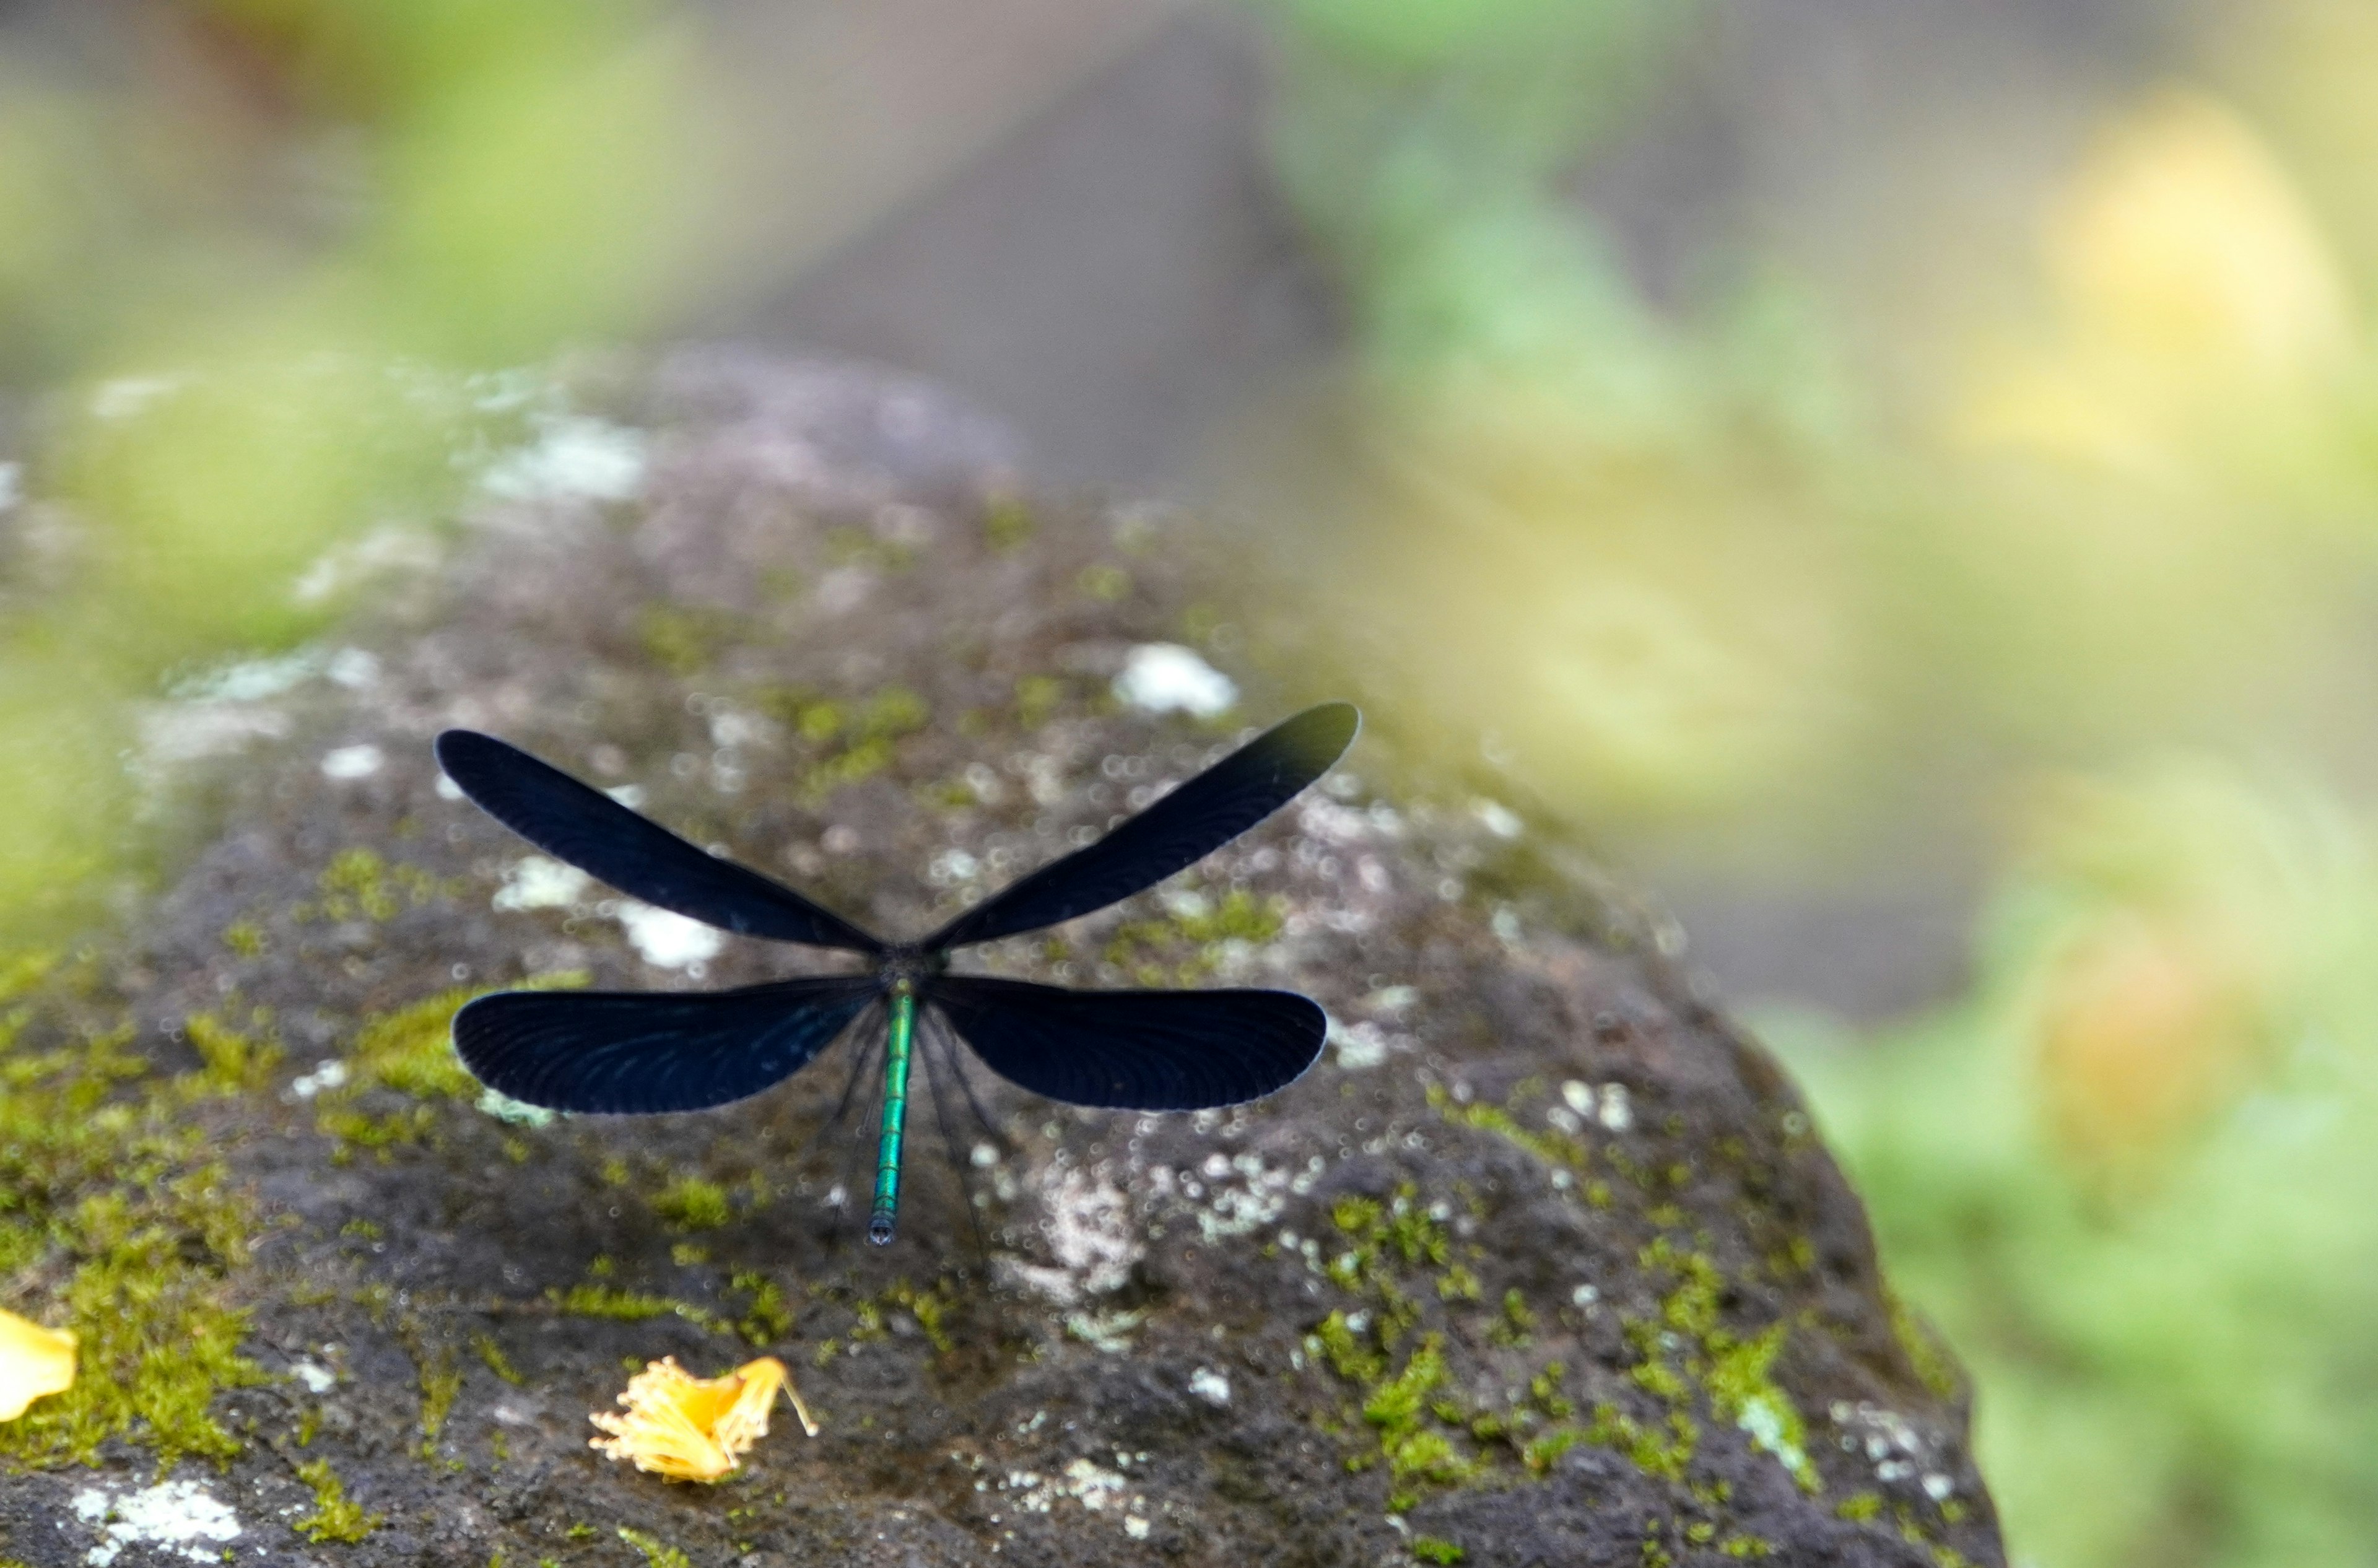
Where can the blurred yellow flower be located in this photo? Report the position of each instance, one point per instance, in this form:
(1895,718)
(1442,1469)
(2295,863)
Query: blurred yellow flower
(2147,1027)
(2187,922)
(2190,279)
(2184,236)
(34,1361)
(691,1429)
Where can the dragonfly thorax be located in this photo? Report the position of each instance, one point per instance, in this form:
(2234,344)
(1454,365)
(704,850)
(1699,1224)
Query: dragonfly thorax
(914,965)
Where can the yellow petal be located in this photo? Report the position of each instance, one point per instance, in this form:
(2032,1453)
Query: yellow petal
(693,1428)
(33,1361)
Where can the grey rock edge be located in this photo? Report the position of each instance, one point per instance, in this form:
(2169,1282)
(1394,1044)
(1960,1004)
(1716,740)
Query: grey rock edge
(1541,1263)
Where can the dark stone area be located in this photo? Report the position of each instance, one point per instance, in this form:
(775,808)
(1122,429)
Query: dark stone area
(1542,1265)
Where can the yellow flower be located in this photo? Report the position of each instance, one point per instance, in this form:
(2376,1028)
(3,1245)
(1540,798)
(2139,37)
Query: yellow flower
(33,1361)
(2191,275)
(691,1429)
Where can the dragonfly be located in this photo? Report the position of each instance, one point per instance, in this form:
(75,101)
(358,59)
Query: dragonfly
(641,1052)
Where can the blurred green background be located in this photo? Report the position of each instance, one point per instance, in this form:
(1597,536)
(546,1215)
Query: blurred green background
(1905,478)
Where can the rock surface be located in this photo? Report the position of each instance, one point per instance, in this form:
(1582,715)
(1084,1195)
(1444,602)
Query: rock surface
(1542,1265)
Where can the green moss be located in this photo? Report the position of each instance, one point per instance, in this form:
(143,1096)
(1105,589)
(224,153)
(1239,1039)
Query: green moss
(234,1061)
(1103,582)
(656,1553)
(1357,1216)
(1397,1407)
(1518,1321)
(1549,1147)
(1415,1454)
(1659,1378)
(1859,1507)
(1400,1230)
(1746,1546)
(1740,1391)
(1541,1454)
(1691,1308)
(1037,698)
(1543,1389)
(244,938)
(1346,1355)
(1430,1548)
(353,1129)
(885,717)
(498,1362)
(624,1305)
(1422,1458)
(1735,1373)
(412,1049)
(1667,1458)
(692,1204)
(115,1224)
(861,547)
(336,1516)
(1185,945)
(358,882)
(1933,1363)
(441,1381)
(1007,525)
(893,711)
(684,640)
(930,1307)
(769,1318)
(1457,1284)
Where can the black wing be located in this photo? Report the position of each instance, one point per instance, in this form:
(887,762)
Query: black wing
(635,1051)
(1180,830)
(578,823)
(1136,1050)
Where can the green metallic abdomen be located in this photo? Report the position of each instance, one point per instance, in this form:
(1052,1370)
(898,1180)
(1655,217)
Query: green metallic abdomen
(884,1223)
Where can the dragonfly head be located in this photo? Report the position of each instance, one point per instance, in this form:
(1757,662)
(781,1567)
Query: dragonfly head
(912,964)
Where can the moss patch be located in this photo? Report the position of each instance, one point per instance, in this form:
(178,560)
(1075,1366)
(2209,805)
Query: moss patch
(658,1554)
(691,1204)
(114,1221)
(412,1049)
(336,1516)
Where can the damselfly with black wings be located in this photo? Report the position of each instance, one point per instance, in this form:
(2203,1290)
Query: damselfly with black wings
(632,1052)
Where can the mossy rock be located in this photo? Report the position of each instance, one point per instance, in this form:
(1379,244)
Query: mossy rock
(1542,1263)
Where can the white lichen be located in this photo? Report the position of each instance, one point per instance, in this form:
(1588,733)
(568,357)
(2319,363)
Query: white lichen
(574,458)
(1084,1481)
(1768,1420)
(537,882)
(1091,1234)
(1163,677)
(1497,817)
(666,940)
(1211,1386)
(181,1517)
(1109,1333)
(1360,1046)
(517,1113)
(328,1073)
(359,761)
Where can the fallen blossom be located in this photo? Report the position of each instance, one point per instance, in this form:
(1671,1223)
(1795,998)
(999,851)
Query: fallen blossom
(34,1361)
(691,1429)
